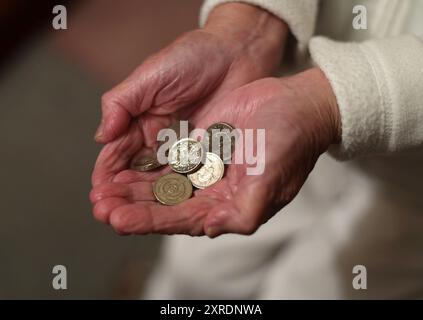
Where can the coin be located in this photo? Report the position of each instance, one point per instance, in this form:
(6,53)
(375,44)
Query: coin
(185,155)
(176,127)
(172,189)
(145,163)
(210,173)
(219,134)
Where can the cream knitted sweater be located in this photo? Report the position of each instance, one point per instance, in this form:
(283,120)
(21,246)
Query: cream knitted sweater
(378,82)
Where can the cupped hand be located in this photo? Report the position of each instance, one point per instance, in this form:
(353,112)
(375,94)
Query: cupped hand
(300,118)
(239,44)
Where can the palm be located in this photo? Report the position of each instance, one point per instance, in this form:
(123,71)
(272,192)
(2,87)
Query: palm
(179,88)
(196,69)
(239,201)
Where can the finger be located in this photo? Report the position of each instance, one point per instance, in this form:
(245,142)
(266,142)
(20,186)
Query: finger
(115,156)
(142,191)
(131,176)
(151,217)
(114,119)
(138,191)
(151,125)
(103,208)
(155,84)
(124,102)
(108,190)
(244,213)
(170,80)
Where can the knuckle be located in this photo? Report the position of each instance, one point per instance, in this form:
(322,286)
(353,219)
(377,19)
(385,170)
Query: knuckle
(100,213)
(119,223)
(106,98)
(220,216)
(94,196)
(110,100)
(247,227)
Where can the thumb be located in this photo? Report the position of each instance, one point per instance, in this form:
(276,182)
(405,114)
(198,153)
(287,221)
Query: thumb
(124,102)
(159,92)
(114,122)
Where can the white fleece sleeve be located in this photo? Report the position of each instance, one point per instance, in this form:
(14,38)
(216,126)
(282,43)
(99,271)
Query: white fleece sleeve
(379,89)
(299,15)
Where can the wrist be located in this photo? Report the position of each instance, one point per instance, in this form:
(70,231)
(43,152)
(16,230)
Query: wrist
(249,30)
(321,105)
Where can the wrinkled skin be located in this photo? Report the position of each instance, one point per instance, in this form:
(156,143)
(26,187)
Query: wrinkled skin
(193,72)
(301,120)
(208,75)
(239,43)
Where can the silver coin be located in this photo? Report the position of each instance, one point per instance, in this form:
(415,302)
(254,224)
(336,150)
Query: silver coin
(146,163)
(176,128)
(220,140)
(186,155)
(211,172)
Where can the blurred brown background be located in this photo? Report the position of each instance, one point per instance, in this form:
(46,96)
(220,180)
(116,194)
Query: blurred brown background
(50,88)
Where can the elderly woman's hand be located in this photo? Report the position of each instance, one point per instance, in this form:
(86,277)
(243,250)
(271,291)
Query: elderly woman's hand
(240,43)
(301,119)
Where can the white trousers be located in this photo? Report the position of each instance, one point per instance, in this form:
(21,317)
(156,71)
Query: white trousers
(341,218)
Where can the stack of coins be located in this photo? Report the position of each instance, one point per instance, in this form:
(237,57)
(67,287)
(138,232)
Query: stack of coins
(193,165)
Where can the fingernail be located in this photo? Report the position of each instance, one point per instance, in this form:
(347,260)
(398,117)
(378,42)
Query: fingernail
(213,232)
(99,133)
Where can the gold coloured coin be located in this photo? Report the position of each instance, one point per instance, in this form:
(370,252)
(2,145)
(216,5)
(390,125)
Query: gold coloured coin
(220,140)
(186,155)
(172,189)
(210,173)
